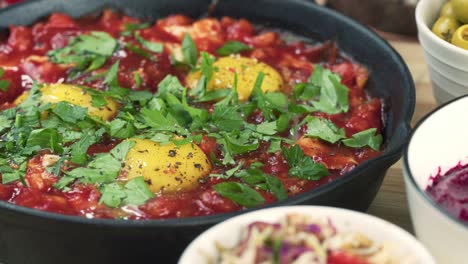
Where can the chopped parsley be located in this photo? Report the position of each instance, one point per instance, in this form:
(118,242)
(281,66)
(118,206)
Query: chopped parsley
(135,192)
(45,138)
(207,65)
(70,113)
(85,52)
(232,47)
(239,193)
(3,83)
(257,178)
(139,51)
(301,166)
(151,46)
(190,51)
(324,129)
(269,103)
(103,168)
(324,91)
(365,138)
(129,28)
(227,118)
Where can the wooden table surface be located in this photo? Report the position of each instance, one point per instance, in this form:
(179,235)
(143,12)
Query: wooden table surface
(390,203)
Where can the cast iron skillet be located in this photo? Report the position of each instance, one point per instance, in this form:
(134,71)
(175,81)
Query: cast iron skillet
(31,236)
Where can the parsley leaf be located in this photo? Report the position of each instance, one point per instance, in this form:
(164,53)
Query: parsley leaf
(139,51)
(207,65)
(227,118)
(151,46)
(301,166)
(282,123)
(188,140)
(104,168)
(86,52)
(161,138)
(324,129)
(333,94)
(257,178)
(70,113)
(137,191)
(120,128)
(97,99)
(137,79)
(269,103)
(11,175)
(364,138)
(112,74)
(120,151)
(79,149)
(45,138)
(190,51)
(129,28)
(97,42)
(267,128)
(239,193)
(3,83)
(112,195)
(170,85)
(213,95)
(275,146)
(275,186)
(232,47)
(238,143)
(156,120)
(141,96)
(232,98)
(5,122)
(306,91)
(63,182)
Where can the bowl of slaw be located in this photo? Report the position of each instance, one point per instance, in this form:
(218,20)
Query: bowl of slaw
(305,234)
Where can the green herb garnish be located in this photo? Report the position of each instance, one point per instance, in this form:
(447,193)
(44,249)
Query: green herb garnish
(365,138)
(151,46)
(85,52)
(232,47)
(3,83)
(190,51)
(239,193)
(303,167)
(324,129)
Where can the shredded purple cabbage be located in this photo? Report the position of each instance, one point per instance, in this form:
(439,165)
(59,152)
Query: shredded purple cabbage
(289,253)
(313,228)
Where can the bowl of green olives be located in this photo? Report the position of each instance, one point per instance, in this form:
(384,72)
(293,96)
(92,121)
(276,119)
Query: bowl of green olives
(443,34)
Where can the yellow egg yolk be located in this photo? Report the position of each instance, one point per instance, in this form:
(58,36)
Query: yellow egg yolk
(54,93)
(247,70)
(166,168)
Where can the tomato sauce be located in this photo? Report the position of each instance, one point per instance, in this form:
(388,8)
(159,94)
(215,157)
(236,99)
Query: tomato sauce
(23,55)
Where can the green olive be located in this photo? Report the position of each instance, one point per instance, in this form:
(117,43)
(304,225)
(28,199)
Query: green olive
(447,10)
(460,37)
(444,27)
(460,8)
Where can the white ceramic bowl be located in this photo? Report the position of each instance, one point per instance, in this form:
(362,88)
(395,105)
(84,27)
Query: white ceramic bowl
(438,142)
(448,64)
(227,233)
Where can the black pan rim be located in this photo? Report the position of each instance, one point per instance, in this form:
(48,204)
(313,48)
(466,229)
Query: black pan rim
(390,155)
